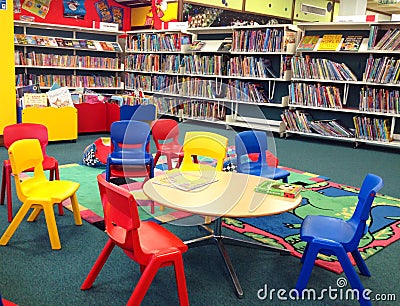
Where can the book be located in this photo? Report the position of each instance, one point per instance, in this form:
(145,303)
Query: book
(225,46)
(330,42)
(351,43)
(35,100)
(59,97)
(197,45)
(31,40)
(21,39)
(279,189)
(184,181)
(307,43)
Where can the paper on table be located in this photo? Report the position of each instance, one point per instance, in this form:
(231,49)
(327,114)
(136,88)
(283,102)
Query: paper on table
(184,181)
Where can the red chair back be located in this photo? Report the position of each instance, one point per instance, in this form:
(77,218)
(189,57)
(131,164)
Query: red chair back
(20,131)
(165,130)
(121,215)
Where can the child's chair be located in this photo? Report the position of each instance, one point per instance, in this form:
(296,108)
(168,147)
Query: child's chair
(38,192)
(16,132)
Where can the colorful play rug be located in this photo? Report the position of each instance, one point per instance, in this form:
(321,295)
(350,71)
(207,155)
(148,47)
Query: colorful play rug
(320,196)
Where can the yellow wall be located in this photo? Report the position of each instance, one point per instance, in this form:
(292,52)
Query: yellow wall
(7,75)
(278,8)
(232,4)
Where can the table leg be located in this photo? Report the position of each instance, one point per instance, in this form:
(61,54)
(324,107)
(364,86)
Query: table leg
(229,266)
(215,236)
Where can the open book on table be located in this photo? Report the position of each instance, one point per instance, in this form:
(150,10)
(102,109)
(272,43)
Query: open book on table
(185,181)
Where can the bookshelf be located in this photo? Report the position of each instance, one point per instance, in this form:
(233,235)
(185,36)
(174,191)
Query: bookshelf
(234,76)
(74,57)
(348,91)
(71,56)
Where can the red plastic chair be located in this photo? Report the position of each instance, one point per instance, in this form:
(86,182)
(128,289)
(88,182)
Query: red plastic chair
(145,242)
(165,135)
(16,132)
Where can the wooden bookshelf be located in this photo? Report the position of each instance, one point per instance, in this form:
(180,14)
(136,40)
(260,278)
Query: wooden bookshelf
(358,85)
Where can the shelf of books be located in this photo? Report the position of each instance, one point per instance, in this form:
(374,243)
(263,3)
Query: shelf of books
(345,83)
(233,67)
(69,56)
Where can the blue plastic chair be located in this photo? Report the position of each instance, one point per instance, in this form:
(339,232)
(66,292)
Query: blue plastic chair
(334,236)
(129,155)
(126,111)
(250,142)
(145,113)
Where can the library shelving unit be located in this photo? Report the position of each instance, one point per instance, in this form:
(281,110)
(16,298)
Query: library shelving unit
(234,76)
(70,56)
(347,88)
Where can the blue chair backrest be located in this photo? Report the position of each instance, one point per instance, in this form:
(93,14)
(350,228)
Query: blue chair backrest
(145,113)
(126,111)
(371,185)
(129,135)
(248,142)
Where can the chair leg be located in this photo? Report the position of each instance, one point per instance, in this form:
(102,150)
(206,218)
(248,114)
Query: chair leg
(285,179)
(52,226)
(178,164)
(351,275)
(3,185)
(8,192)
(98,265)
(181,280)
(158,154)
(306,270)
(144,282)
(304,253)
(169,161)
(15,223)
(360,263)
(75,209)
(35,213)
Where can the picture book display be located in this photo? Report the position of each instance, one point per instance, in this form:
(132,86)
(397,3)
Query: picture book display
(279,189)
(308,43)
(35,100)
(330,42)
(60,97)
(184,181)
(351,43)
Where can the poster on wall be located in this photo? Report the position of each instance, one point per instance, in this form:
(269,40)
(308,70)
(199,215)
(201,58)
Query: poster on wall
(17,6)
(39,8)
(74,9)
(118,16)
(103,10)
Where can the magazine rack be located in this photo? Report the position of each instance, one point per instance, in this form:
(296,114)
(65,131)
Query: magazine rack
(61,123)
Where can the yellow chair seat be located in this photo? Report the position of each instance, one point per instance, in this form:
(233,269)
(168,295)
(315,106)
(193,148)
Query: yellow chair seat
(53,191)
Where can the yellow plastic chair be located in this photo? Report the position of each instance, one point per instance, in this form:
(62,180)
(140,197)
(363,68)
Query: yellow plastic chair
(206,144)
(38,192)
